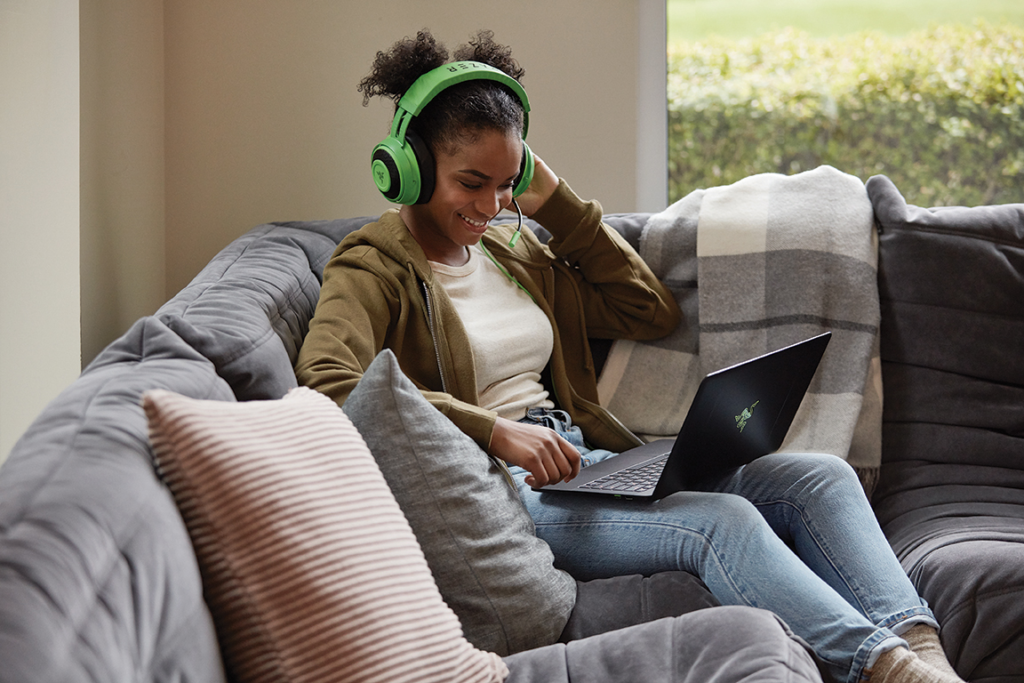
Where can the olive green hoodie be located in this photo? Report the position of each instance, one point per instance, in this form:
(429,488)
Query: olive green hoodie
(379,292)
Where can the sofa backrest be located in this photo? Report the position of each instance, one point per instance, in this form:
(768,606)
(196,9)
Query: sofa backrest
(951,284)
(248,310)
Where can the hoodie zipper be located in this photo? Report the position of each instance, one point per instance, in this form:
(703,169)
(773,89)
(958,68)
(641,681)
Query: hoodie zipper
(433,334)
(501,464)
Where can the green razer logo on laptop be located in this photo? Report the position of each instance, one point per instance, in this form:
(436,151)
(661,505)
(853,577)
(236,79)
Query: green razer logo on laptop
(741,419)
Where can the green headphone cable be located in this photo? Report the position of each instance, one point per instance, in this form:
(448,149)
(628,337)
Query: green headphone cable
(511,243)
(519,228)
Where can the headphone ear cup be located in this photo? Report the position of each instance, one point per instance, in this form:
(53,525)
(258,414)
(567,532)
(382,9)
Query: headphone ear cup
(425,173)
(525,172)
(395,172)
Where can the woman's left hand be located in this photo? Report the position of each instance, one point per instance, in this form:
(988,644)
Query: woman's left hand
(543,185)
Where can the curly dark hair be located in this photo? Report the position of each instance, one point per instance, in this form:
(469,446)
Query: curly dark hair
(459,113)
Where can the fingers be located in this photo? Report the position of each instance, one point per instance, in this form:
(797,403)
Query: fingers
(544,184)
(560,461)
(540,451)
(575,461)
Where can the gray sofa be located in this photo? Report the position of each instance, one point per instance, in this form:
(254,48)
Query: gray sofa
(99,581)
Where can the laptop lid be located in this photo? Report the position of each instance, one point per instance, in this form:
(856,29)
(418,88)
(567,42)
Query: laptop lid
(739,413)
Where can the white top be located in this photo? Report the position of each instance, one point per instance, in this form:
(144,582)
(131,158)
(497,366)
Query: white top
(510,336)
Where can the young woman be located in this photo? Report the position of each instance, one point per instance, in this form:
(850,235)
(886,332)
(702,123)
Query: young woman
(495,335)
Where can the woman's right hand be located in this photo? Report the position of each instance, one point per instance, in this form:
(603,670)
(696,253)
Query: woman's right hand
(544,184)
(544,454)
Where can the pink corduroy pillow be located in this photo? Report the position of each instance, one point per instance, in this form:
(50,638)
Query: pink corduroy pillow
(310,569)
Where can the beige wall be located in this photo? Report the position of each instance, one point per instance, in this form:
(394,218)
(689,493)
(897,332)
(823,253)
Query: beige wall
(122,161)
(39,203)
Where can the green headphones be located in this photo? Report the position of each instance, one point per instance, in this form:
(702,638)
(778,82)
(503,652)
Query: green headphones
(402,165)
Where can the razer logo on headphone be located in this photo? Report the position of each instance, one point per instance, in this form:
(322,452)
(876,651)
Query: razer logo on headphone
(741,419)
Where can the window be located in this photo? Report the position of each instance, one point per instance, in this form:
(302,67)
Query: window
(930,94)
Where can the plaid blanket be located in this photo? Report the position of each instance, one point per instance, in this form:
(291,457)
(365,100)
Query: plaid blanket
(755,266)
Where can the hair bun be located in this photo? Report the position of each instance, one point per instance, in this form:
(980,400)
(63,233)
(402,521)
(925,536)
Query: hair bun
(484,49)
(395,70)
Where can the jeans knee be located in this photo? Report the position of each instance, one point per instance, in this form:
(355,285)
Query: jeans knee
(837,470)
(736,510)
(824,468)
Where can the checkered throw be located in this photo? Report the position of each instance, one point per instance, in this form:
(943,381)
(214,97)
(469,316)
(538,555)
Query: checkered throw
(757,265)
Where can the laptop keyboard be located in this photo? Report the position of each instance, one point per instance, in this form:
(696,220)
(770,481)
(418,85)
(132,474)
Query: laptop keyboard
(637,479)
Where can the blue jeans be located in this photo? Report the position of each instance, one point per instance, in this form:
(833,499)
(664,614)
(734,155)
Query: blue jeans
(792,534)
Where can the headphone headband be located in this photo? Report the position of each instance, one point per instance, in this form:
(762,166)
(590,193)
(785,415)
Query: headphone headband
(430,84)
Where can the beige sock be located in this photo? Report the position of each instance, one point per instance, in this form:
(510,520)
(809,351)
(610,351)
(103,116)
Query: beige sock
(900,665)
(924,642)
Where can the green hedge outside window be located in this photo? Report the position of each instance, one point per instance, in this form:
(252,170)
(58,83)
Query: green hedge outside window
(941,111)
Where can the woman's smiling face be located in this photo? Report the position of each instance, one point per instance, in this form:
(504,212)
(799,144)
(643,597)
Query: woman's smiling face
(472,185)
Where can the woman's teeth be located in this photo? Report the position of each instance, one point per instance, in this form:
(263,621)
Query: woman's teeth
(479,224)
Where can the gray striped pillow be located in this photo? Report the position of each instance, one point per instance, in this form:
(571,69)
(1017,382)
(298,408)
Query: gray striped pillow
(310,568)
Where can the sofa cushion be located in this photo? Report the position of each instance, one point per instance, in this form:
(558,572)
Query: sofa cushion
(248,310)
(477,536)
(98,580)
(619,602)
(311,569)
(722,645)
(951,494)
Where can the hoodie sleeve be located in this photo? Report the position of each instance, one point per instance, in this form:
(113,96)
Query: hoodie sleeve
(620,296)
(348,328)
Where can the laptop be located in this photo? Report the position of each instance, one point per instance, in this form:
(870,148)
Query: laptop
(738,414)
